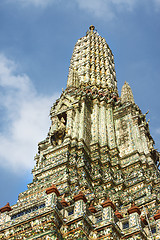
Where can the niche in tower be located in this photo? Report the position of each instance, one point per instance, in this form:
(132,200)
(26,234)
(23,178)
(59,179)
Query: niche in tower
(58,129)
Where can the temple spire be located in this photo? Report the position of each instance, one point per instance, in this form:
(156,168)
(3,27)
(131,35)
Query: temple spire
(126,94)
(93,62)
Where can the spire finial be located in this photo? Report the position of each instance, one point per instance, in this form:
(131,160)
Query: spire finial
(91,27)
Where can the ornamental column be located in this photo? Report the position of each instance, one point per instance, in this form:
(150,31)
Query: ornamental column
(102,124)
(4,213)
(108,210)
(111,230)
(134,219)
(80,204)
(110,127)
(52,196)
(95,121)
(81,121)
(76,122)
(69,124)
(143,140)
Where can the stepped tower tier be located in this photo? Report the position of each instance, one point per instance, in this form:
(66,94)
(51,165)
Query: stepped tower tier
(91,85)
(96,174)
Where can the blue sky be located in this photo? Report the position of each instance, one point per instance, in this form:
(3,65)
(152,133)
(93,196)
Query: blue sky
(37,38)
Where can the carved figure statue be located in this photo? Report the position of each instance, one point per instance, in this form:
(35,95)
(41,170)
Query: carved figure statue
(57,131)
(61,125)
(54,127)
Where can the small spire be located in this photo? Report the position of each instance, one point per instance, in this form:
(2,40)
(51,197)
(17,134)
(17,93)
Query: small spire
(126,94)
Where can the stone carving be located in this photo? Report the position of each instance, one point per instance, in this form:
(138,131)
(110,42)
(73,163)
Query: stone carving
(57,131)
(123,139)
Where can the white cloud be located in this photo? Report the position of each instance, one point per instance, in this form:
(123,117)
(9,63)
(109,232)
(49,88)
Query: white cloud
(157,4)
(124,4)
(99,8)
(108,9)
(24,117)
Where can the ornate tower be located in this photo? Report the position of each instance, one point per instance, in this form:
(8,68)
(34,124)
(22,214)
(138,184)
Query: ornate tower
(96,174)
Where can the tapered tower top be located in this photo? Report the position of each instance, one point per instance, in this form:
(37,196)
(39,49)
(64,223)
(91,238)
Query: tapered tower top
(126,94)
(92,63)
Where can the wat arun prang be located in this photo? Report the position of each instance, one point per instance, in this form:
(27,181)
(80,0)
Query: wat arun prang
(96,174)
